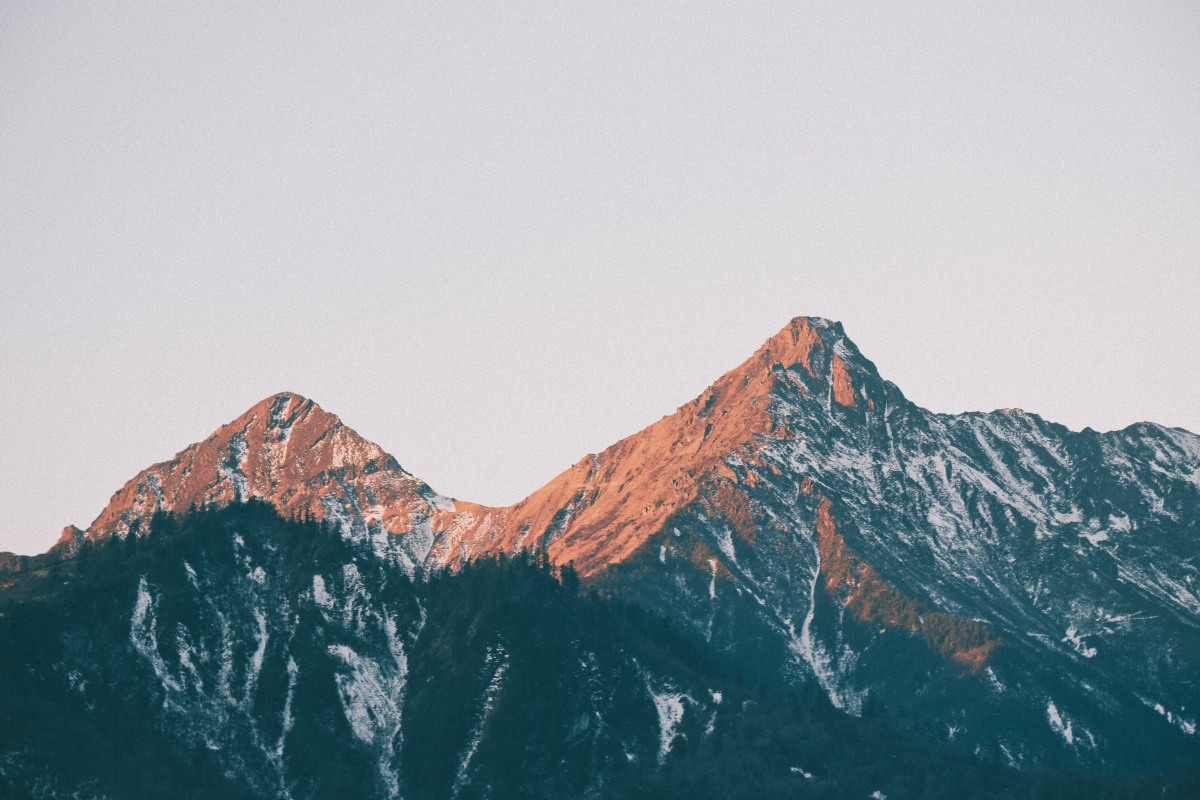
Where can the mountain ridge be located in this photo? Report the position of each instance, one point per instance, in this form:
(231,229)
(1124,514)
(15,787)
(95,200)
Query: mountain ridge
(1030,585)
(143,494)
(227,467)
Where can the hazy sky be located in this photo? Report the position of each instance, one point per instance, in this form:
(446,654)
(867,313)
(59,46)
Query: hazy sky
(496,237)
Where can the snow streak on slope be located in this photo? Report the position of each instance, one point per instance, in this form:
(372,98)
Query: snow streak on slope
(495,664)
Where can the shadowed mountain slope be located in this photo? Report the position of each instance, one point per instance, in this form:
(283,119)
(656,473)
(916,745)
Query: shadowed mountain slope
(1020,588)
(233,653)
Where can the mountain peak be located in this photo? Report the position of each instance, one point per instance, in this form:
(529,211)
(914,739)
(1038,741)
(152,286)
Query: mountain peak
(601,510)
(288,451)
(793,344)
(285,450)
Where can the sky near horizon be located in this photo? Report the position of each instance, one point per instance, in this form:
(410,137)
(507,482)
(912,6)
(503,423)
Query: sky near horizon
(496,237)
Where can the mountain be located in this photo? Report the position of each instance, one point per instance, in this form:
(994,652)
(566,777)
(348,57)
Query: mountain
(1002,586)
(234,653)
(604,509)
(1015,585)
(302,460)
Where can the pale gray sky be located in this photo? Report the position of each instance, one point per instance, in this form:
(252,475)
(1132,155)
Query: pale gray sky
(496,237)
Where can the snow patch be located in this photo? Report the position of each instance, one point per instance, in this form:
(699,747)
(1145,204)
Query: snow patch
(293,672)
(363,692)
(725,543)
(817,657)
(712,721)
(669,706)
(1075,517)
(191,576)
(156,486)
(1077,642)
(232,469)
(497,662)
(320,595)
(1057,724)
(256,660)
(372,698)
(1188,726)
(144,638)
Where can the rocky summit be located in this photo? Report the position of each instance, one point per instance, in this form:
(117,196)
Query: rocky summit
(987,587)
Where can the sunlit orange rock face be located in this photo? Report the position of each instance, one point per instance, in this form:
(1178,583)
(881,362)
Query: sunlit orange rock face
(843,386)
(602,509)
(871,600)
(287,451)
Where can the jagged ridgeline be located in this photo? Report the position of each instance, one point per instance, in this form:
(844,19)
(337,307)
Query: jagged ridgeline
(863,597)
(234,653)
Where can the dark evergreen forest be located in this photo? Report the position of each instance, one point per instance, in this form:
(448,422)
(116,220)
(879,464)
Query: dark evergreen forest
(518,681)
